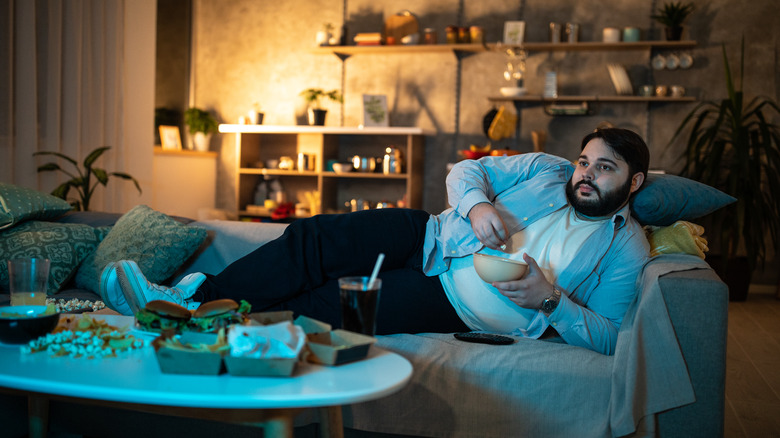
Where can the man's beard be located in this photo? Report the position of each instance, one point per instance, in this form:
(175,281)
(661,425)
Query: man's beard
(598,204)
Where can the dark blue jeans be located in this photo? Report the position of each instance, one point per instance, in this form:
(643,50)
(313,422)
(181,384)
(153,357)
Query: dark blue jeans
(299,271)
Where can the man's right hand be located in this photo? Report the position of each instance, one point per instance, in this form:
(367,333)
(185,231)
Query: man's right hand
(488,226)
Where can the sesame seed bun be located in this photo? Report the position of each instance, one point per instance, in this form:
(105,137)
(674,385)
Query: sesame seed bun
(214,308)
(168,309)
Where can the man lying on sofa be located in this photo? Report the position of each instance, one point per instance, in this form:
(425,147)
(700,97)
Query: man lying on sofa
(570,224)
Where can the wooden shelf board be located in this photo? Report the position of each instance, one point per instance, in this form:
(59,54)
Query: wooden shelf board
(577,99)
(305,129)
(365,175)
(257,171)
(530,46)
(184,152)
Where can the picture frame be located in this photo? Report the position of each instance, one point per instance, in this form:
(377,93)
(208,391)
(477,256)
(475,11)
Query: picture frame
(170,138)
(514,32)
(375,110)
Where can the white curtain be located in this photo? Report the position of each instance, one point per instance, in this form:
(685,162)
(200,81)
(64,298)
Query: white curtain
(71,85)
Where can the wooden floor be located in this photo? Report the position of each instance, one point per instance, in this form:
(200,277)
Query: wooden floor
(753,367)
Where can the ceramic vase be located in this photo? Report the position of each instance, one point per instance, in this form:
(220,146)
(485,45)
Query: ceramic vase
(201,141)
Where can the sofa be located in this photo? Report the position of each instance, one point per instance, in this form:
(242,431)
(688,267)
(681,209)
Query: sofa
(666,378)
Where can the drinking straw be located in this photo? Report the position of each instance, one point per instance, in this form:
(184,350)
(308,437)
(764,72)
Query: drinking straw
(378,264)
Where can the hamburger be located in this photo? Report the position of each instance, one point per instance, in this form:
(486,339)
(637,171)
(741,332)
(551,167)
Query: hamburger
(214,315)
(159,316)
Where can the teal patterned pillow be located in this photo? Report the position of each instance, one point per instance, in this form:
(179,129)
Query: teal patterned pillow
(18,204)
(65,245)
(158,243)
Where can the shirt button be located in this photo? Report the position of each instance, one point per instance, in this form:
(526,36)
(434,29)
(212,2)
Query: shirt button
(452,252)
(551,204)
(554,323)
(525,219)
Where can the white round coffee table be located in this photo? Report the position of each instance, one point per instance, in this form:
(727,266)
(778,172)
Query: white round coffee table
(134,381)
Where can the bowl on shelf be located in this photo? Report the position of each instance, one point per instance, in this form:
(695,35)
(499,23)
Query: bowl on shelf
(342,167)
(494,268)
(512,91)
(22,324)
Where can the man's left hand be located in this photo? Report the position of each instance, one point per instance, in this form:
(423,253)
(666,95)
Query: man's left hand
(529,291)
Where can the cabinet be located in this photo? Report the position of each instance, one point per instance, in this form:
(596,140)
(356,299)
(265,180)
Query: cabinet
(177,172)
(257,144)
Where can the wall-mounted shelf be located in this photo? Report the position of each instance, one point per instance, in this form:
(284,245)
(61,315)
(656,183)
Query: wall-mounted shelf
(533,47)
(577,99)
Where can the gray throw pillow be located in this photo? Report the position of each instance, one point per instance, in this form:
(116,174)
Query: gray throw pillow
(665,199)
(158,243)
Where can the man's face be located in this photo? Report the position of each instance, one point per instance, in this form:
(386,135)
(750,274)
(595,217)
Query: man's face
(601,183)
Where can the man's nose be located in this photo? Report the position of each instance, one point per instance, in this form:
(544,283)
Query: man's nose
(588,174)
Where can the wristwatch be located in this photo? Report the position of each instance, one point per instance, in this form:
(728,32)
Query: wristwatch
(551,302)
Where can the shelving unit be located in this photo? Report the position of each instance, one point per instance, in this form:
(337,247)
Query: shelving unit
(260,143)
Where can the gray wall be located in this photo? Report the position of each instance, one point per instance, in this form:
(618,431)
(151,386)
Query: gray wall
(250,51)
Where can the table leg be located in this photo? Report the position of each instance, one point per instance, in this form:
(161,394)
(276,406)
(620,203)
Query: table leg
(331,422)
(278,427)
(38,416)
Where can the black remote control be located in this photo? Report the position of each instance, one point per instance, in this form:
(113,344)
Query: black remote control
(484,338)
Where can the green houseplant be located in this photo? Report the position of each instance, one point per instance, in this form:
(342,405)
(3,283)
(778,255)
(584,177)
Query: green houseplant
(313,98)
(82,180)
(201,126)
(734,146)
(672,15)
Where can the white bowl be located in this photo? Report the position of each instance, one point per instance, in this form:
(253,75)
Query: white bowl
(493,268)
(342,167)
(512,91)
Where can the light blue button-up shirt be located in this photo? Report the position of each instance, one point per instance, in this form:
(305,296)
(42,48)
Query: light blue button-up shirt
(600,282)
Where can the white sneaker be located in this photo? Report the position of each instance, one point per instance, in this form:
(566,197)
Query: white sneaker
(138,291)
(111,293)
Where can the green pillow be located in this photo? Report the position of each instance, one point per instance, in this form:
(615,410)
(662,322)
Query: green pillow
(18,204)
(158,243)
(65,245)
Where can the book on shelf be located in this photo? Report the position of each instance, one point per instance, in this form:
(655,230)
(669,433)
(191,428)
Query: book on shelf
(368,38)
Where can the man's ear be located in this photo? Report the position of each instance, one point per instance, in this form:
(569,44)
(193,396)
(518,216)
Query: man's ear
(636,181)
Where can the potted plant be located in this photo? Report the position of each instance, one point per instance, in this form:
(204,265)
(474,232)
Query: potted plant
(201,126)
(734,146)
(316,112)
(672,15)
(82,180)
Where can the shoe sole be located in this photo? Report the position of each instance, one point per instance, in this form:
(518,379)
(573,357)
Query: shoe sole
(131,289)
(109,300)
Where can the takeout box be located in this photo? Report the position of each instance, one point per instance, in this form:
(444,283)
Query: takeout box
(251,367)
(264,366)
(174,360)
(267,318)
(333,347)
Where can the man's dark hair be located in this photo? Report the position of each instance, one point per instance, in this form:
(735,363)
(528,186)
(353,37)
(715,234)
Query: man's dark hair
(628,145)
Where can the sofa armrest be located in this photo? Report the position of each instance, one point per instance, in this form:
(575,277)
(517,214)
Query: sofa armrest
(227,241)
(697,302)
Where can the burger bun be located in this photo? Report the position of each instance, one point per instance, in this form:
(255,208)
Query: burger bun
(168,309)
(214,308)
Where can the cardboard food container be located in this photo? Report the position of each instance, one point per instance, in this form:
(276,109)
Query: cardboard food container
(178,361)
(333,347)
(267,318)
(251,367)
(263,367)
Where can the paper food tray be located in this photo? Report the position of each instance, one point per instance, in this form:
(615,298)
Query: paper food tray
(176,361)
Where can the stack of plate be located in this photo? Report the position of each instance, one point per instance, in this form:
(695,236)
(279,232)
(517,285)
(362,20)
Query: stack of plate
(620,79)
